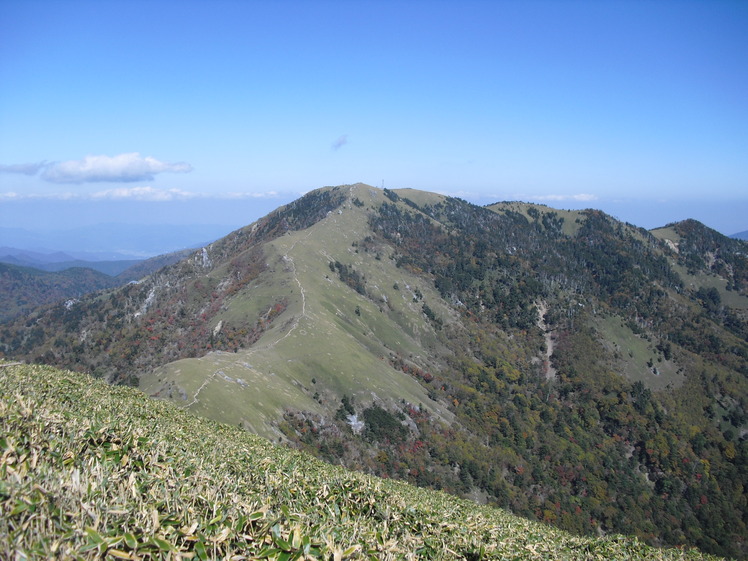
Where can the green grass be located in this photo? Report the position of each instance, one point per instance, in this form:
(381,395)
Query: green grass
(572,218)
(320,336)
(88,471)
(730,298)
(666,233)
(419,197)
(634,354)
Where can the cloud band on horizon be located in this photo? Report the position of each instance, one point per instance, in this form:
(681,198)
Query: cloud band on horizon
(576,197)
(24,169)
(123,168)
(140,194)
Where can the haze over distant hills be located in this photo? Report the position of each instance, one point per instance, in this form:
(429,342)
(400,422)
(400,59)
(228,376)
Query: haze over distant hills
(95,230)
(45,265)
(107,242)
(25,287)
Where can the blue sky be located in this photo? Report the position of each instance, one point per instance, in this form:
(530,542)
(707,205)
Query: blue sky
(217,112)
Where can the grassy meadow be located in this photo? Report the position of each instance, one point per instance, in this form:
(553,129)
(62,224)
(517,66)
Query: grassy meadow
(90,471)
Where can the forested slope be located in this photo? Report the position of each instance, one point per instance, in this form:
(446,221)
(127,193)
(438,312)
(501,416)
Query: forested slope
(22,288)
(578,370)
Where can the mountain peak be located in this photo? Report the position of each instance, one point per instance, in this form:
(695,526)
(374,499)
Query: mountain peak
(561,363)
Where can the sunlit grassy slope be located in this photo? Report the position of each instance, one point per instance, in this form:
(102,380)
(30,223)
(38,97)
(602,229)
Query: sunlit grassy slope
(695,280)
(88,471)
(333,341)
(636,357)
(571,218)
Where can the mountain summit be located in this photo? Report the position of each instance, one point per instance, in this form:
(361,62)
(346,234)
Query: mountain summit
(565,365)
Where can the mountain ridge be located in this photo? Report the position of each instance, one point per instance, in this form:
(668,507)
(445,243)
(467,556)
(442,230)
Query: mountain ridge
(399,332)
(23,288)
(110,268)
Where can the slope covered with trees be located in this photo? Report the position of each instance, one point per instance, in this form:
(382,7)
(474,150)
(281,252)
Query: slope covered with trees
(590,449)
(22,288)
(88,471)
(575,369)
(165,316)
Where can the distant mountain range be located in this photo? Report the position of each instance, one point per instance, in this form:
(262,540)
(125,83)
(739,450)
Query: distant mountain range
(564,365)
(59,261)
(106,242)
(741,235)
(24,287)
(86,259)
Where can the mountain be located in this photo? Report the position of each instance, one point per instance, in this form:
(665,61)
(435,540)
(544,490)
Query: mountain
(24,288)
(708,260)
(145,267)
(572,368)
(14,256)
(147,480)
(59,261)
(741,235)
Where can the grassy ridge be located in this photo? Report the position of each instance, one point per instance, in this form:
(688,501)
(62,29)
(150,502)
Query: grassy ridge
(90,471)
(330,340)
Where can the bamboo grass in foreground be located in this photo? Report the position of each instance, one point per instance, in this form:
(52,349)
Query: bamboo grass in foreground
(90,471)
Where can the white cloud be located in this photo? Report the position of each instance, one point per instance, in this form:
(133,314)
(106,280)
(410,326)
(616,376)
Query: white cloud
(122,168)
(142,194)
(248,195)
(15,196)
(154,195)
(146,194)
(581,197)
